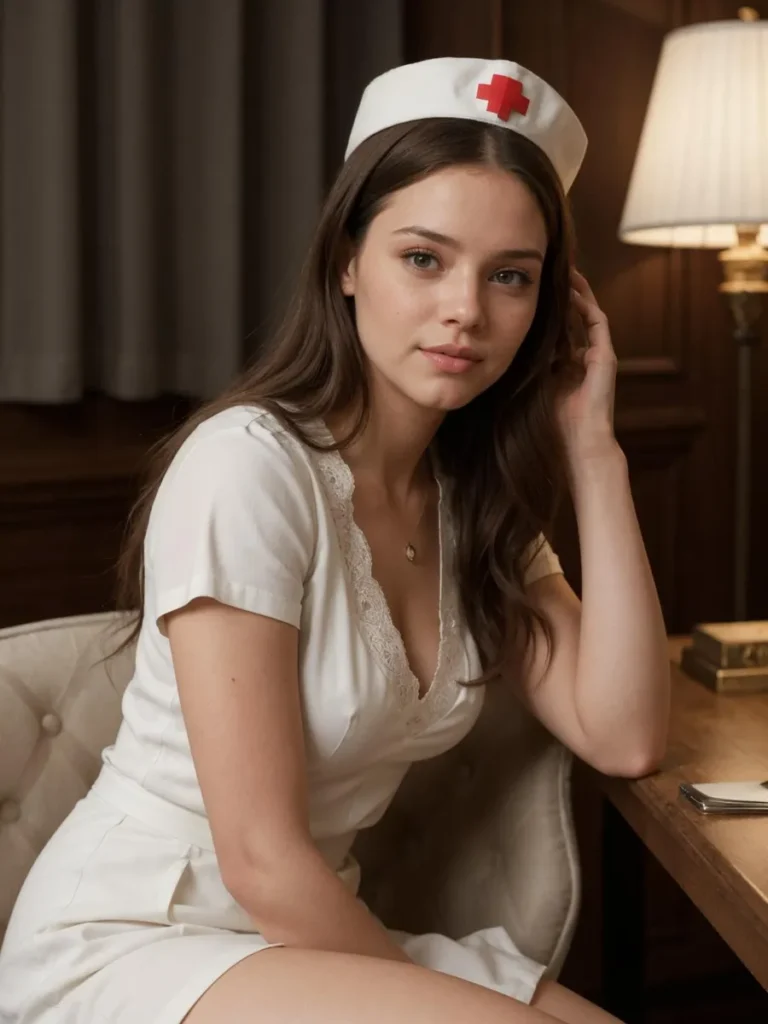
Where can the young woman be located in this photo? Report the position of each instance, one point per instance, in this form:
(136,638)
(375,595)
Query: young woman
(332,562)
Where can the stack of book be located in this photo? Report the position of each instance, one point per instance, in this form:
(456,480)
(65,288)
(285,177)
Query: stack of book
(729,657)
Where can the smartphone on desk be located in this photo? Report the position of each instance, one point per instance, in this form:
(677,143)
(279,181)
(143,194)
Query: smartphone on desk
(727,797)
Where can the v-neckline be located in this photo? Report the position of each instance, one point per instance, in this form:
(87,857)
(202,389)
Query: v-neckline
(391,648)
(389,622)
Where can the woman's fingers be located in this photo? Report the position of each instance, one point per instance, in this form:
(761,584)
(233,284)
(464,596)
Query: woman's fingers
(594,319)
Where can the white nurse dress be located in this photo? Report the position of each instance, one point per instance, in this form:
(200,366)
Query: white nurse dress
(124,916)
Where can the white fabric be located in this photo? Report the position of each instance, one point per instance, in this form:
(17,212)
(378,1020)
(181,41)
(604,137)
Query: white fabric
(124,915)
(458,87)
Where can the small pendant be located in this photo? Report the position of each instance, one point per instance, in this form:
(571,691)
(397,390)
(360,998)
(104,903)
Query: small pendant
(410,552)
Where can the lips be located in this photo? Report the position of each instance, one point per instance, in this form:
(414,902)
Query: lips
(455,352)
(447,363)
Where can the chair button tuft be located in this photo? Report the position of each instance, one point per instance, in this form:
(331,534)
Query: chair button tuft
(51,724)
(9,812)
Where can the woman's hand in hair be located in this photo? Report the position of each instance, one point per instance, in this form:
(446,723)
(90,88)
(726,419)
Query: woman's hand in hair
(585,410)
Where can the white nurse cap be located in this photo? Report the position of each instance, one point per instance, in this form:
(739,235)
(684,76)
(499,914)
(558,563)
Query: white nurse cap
(492,91)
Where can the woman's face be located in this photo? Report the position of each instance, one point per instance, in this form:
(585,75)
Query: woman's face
(452,261)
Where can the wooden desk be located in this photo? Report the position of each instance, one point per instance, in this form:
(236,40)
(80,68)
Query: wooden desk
(720,861)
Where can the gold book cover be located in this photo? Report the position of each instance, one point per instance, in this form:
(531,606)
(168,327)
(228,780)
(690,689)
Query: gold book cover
(724,680)
(733,644)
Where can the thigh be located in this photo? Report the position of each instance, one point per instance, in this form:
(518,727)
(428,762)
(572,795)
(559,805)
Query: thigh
(566,1006)
(302,986)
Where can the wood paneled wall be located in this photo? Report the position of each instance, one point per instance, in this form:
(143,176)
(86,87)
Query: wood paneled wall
(68,477)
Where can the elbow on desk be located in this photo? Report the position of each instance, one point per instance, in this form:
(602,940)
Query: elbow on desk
(649,758)
(631,765)
(641,757)
(641,767)
(632,760)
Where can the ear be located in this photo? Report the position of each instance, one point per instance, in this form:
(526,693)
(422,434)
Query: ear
(348,272)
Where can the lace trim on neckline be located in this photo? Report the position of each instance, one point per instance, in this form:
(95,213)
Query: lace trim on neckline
(379,632)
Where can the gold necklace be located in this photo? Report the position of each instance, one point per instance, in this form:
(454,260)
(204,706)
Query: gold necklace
(410,550)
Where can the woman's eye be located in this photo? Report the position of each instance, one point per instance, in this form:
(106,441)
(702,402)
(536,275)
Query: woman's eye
(521,278)
(419,255)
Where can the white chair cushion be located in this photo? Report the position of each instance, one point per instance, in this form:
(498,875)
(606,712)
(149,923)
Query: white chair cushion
(58,709)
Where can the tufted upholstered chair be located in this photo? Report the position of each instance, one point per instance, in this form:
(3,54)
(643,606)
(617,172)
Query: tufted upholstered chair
(479,836)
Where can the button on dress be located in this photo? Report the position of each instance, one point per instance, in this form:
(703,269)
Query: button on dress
(124,916)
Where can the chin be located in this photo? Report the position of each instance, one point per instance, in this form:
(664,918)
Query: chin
(445,396)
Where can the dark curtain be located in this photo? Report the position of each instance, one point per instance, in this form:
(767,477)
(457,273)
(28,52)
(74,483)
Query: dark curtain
(162,164)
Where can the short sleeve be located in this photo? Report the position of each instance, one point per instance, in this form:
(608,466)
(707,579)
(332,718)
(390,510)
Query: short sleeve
(540,560)
(233,520)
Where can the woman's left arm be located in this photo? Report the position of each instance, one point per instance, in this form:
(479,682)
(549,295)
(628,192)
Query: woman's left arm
(606,691)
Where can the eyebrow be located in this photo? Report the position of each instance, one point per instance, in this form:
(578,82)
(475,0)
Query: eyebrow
(436,236)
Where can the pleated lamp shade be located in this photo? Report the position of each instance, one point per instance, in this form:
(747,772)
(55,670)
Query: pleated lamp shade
(702,162)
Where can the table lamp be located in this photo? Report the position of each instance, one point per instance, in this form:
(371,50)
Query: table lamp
(700,180)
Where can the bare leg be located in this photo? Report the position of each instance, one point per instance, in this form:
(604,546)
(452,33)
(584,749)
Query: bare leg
(303,986)
(566,1006)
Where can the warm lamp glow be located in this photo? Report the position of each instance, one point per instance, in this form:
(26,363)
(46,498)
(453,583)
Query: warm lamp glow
(702,162)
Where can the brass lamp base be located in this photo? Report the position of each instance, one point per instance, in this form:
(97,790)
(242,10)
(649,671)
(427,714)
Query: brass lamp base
(745,267)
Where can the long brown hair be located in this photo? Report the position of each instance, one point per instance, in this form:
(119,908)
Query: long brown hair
(501,451)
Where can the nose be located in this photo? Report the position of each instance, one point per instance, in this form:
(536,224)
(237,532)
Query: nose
(462,301)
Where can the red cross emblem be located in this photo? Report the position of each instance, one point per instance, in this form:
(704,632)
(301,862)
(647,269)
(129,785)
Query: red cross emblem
(504,94)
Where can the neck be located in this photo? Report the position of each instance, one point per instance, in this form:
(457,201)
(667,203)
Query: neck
(389,455)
